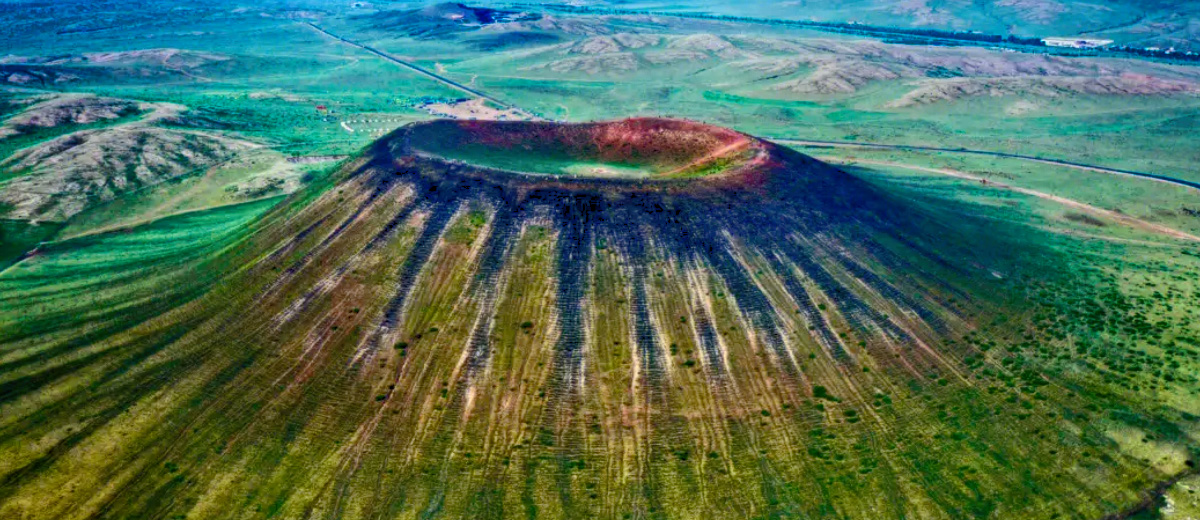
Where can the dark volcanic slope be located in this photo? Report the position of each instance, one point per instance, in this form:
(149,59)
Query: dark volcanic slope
(766,336)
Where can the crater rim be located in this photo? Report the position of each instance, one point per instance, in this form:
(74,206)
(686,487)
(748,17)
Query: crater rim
(630,150)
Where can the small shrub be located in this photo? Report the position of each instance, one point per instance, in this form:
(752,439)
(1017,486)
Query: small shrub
(821,392)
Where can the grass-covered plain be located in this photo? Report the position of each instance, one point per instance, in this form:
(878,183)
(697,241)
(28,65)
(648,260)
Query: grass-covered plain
(374,345)
(370,338)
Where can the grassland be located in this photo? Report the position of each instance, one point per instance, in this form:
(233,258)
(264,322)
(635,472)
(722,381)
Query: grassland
(423,350)
(369,338)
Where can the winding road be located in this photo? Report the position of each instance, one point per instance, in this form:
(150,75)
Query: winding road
(1070,164)
(1115,216)
(785,141)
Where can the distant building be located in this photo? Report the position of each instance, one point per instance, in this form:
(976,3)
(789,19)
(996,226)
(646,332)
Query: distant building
(1076,43)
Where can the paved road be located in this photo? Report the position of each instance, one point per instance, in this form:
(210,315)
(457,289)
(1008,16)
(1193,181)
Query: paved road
(415,68)
(1069,164)
(801,142)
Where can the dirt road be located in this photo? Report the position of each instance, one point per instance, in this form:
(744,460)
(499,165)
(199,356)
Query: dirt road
(1126,220)
(1056,162)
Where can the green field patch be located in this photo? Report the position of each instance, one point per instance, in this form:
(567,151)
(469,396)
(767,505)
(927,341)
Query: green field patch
(19,236)
(252,176)
(725,97)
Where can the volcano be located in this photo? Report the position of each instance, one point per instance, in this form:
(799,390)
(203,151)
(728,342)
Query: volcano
(648,149)
(645,318)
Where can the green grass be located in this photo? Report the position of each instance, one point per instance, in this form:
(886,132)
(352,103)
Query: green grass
(1157,202)
(205,356)
(34,135)
(18,236)
(544,164)
(1140,133)
(215,187)
(218,375)
(103,279)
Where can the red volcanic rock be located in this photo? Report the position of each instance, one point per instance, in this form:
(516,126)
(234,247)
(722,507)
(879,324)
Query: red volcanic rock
(643,148)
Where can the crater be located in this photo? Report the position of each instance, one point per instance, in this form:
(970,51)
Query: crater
(636,149)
